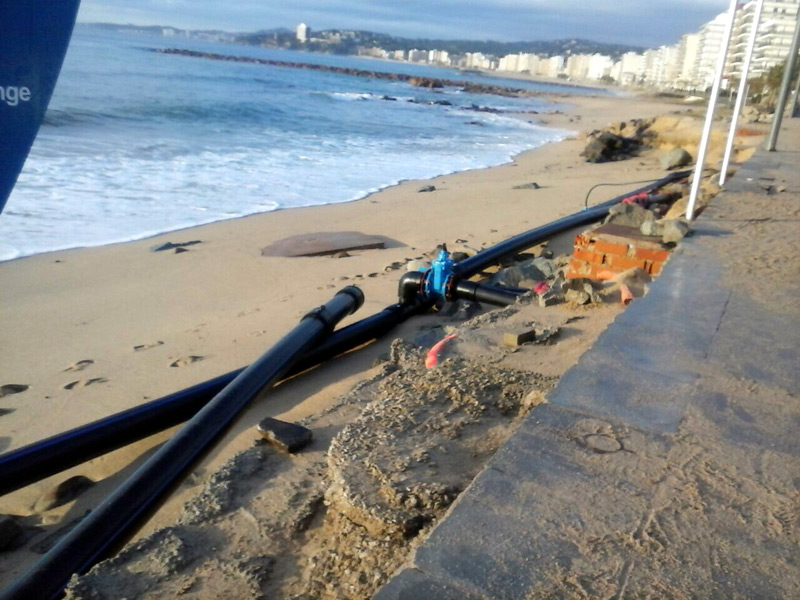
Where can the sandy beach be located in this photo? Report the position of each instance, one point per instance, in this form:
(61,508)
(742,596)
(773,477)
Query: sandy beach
(94,331)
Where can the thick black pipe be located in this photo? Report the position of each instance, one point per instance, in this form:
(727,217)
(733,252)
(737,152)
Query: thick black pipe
(36,461)
(475,292)
(111,522)
(41,459)
(485,258)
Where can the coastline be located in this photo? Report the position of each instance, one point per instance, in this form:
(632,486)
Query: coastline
(220,305)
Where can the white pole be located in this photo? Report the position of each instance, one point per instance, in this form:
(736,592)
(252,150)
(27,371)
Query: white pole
(701,151)
(740,96)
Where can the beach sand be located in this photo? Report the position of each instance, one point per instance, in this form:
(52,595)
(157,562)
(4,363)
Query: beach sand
(95,331)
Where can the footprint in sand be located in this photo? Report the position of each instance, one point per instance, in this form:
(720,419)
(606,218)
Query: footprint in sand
(79,366)
(141,347)
(186,360)
(82,383)
(12,388)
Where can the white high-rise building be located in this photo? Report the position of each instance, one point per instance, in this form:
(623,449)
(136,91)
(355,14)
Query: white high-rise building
(711,35)
(774,37)
(688,50)
(302,33)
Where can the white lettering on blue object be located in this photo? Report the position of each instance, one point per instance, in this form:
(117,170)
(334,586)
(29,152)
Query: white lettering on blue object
(13,95)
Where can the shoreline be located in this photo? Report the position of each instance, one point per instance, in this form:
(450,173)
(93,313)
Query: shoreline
(531,117)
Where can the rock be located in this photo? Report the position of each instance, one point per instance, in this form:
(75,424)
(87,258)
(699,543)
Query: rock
(654,228)
(10,532)
(527,186)
(64,492)
(509,277)
(340,255)
(604,146)
(519,336)
(545,264)
(12,388)
(579,290)
(459,256)
(675,159)
(631,215)
(288,437)
(577,297)
(418,265)
(674,231)
(550,298)
(531,271)
(181,250)
(427,188)
(175,246)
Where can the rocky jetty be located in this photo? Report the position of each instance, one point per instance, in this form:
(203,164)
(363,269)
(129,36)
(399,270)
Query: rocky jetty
(415,80)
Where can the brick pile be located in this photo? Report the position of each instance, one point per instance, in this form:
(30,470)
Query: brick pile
(615,248)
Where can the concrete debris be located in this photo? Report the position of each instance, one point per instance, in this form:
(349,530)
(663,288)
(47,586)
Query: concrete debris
(674,231)
(288,437)
(519,336)
(631,215)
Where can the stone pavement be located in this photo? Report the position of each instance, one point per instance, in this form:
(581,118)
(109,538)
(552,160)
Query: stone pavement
(666,463)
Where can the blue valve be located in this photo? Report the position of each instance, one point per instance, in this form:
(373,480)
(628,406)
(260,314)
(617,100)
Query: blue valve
(439,275)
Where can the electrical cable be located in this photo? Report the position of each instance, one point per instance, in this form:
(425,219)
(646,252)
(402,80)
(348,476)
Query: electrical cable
(591,189)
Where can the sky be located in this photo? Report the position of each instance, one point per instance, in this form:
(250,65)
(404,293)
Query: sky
(648,23)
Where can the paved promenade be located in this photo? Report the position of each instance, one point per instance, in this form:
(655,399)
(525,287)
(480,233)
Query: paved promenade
(666,463)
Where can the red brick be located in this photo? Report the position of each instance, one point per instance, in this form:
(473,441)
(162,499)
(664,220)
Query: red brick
(655,268)
(587,256)
(655,255)
(625,263)
(610,248)
(581,241)
(595,271)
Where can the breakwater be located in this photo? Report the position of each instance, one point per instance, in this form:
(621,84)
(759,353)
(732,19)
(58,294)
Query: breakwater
(415,80)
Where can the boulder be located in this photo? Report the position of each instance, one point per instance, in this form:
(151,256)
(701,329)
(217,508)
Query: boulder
(674,159)
(631,215)
(604,146)
(674,231)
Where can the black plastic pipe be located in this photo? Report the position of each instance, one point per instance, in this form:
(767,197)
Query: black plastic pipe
(111,522)
(41,459)
(475,292)
(489,256)
(36,461)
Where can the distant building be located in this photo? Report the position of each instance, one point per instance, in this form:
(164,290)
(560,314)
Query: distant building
(773,39)
(302,33)
(417,55)
(439,57)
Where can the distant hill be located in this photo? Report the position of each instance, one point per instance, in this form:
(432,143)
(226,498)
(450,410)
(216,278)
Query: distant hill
(345,41)
(341,41)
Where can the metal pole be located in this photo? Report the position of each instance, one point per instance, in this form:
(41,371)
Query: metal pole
(712,101)
(740,96)
(788,69)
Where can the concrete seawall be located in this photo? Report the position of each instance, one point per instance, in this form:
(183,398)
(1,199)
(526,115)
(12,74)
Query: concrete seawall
(665,463)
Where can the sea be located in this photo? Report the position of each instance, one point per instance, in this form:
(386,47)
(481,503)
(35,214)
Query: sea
(137,143)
